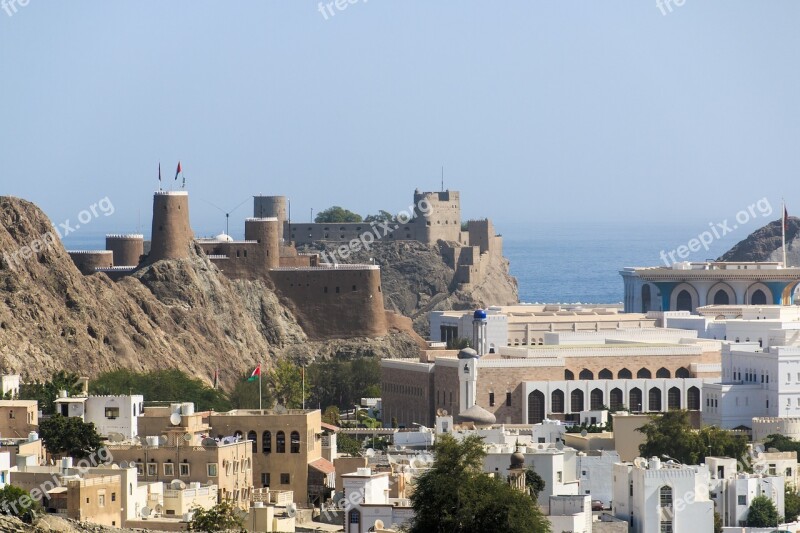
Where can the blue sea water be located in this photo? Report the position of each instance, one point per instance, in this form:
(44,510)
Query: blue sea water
(581,262)
(570,262)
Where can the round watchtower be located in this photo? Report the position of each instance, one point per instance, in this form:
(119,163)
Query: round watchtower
(270,207)
(127,249)
(266,232)
(172,235)
(88,261)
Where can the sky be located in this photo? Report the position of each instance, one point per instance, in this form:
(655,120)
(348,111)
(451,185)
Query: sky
(542,113)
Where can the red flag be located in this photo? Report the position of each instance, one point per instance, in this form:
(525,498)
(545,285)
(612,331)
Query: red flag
(178,171)
(785,219)
(256,373)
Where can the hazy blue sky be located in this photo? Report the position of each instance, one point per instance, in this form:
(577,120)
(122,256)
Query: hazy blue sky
(541,112)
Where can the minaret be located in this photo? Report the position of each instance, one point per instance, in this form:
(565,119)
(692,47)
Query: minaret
(479,323)
(172,235)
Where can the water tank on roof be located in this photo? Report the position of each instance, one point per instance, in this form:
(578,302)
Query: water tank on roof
(187,408)
(174,408)
(479,314)
(33,436)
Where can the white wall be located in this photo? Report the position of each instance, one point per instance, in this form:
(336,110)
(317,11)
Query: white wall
(130,408)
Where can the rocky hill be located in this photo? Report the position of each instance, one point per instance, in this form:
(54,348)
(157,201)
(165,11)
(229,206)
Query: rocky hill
(417,280)
(182,314)
(764,244)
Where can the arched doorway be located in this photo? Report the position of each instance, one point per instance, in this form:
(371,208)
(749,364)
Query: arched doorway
(616,399)
(684,301)
(596,400)
(673,398)
(646,298)
(635,399)
(693,398)
(576,401)
(535,407)
(557,401)
(654,399)
(758,298)
(721,298)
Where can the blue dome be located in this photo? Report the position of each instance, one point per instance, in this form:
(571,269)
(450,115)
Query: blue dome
(480,314)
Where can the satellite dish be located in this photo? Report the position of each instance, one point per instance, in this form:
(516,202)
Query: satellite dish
(177,484)
(163,440)
(444,412)
(116,437)
(378,524)
(584,433)
(145,512)
(559,445)
(123,464)
(281,410)
(291,510)
(159,508)
(175,419)
(187,437)
(370,452)
(208,443)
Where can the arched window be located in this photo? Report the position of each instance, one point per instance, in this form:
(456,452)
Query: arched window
(280,442)
(596,400)
(721,298)
(693,399)
(617,400)
(682,372)
(673,398)
(635,399)
(684,301)
(355,518)
(576,401)
(294,445)
(644,373)
(665,497)
(624,374)
(605,374)
(266,442)
(758,298)
(253,437)
(663,373)
(586,374)
(557,401)
(654,399)
(535,407)
(568,375)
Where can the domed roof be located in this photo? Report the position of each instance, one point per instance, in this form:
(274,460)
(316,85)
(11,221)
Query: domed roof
(223,237)
(468,353)
(479,314)
(517,460)
(478,415)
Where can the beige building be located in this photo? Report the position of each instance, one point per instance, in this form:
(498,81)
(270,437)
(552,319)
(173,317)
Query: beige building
(95,499)
(573,372)
(285,448)
(18,418)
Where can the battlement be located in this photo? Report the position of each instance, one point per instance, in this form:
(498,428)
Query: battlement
(171,193)
(327,266)
(261,219)
(136,236)
(89,252)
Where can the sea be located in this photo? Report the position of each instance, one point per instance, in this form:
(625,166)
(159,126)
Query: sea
(576,262)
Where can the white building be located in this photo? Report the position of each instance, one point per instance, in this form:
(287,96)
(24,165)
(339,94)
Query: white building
(656,497)
(9,383)
(109,414)
(571,513)
(368,504)
(594,469)
(555,464)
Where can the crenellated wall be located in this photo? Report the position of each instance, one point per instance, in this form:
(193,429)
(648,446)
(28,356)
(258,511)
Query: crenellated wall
(171,234)
(127,249)
(88,261)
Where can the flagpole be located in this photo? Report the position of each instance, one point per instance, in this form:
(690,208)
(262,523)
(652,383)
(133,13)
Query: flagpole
(783,230)
(304,386)
(259,385)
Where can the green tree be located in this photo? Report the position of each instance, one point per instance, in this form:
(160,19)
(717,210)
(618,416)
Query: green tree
(332,415)
(69,436)
(347,444)
(382,216)
(459,344)
(456,496)
(534,482)
(222,517)
(344,383)
(717,522)
(782,443)
(791,504)
(47,392)
(337,214)
(170,385)
(244,394)
(670,434)
(762,513)
(15,501)
(286,380)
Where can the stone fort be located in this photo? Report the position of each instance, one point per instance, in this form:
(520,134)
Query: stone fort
(330,300)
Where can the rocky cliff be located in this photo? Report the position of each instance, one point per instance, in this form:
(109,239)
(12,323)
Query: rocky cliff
(417,280)
(764,244)
(182,314)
